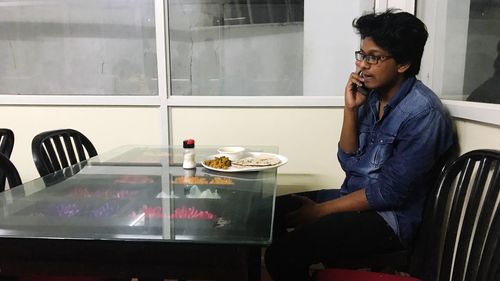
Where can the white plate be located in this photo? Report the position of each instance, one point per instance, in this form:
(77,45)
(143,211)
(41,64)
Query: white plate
(232,169)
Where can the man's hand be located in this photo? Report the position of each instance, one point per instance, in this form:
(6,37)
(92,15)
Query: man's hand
(311,211)
(308,212)
(353,98)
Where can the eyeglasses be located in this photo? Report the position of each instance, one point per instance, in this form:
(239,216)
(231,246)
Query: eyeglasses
(369,58)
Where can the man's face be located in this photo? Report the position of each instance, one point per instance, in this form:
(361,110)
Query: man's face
(382,74)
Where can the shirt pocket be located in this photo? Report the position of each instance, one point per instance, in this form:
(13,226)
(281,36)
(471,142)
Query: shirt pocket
(383,149)
(365,133)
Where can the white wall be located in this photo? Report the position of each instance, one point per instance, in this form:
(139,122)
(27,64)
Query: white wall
(106,127)
(474,135)
(307,136)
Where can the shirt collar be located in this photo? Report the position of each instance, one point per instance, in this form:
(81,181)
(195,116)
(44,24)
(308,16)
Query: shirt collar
(403,91)
(400,95)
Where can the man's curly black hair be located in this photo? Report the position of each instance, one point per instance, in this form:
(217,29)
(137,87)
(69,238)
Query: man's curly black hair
(402,34)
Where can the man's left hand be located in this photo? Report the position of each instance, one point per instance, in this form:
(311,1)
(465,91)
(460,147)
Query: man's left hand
(308,212)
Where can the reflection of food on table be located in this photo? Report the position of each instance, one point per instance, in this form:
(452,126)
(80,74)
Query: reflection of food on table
(218,162)
(190,180)
(135,179)
(261,160)
(195,193)
(191,213)
(107,193)
(179,213)
(76,209)
(221,181)
(202,180)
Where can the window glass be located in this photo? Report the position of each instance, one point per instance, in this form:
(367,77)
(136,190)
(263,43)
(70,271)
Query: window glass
(78,47)
(236,47)
(482,63)
(262,47)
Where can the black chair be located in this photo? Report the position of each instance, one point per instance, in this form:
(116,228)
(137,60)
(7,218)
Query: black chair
(6,141)
(58,149)
(6,146)
(9,172)
(459,237)
(462,217)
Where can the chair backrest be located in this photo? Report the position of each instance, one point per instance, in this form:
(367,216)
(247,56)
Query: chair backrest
(10,173)
(459,236)
(57,149)
(6,141)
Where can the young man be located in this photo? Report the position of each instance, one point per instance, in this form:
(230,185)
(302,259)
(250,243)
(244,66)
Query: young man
(391,139)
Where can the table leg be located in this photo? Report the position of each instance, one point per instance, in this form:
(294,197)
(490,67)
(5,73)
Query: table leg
(253,264)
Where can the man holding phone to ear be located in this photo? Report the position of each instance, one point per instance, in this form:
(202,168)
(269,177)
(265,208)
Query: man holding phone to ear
(392,136)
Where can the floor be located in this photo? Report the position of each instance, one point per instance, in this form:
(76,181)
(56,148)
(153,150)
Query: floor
(264,276)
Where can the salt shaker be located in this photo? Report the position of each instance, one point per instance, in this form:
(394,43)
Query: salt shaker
(188,162)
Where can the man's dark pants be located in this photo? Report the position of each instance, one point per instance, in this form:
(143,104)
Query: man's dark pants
(333,237)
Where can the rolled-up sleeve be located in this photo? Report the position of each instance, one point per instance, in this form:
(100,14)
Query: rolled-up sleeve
(346,160)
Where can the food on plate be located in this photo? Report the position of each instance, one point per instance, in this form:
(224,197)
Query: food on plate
(257,161)
(218,163)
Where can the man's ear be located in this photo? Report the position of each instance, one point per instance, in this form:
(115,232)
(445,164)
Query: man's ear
(403,67)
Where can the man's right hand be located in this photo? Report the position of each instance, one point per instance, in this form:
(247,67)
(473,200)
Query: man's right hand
(353,98)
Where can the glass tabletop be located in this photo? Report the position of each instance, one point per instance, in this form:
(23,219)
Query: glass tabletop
(143,193)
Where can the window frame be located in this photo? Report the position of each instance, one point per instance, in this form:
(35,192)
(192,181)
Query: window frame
(481,112)
(433,64)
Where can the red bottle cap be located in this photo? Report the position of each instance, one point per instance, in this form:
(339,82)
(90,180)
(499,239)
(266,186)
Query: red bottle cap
(189,143)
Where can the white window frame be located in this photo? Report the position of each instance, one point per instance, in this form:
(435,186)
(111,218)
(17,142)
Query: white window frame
(482,112)
(434,62)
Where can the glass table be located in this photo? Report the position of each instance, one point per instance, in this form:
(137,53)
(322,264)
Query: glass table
(135,212)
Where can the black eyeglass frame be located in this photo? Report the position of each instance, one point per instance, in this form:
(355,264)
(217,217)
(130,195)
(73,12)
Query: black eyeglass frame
(370,59)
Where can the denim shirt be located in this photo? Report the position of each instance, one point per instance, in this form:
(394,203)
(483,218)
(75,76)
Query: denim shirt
(397,153)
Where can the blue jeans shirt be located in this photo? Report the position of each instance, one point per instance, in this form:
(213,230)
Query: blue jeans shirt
(397,153)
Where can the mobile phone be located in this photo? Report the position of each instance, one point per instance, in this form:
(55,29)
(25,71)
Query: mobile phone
(361,89)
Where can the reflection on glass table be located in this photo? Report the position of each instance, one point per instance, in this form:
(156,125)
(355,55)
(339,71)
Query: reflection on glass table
(136,200)
(143,193)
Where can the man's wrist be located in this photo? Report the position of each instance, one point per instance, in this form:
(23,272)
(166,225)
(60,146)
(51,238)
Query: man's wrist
(350,110)
(325,208)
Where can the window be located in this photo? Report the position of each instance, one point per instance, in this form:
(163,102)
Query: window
(482,61)
(463,65)
(70,47)
(262,47)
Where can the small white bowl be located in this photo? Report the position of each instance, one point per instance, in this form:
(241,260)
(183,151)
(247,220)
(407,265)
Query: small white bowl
(232,152)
